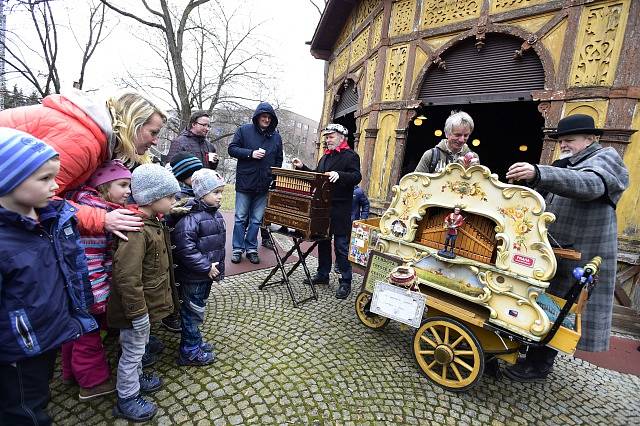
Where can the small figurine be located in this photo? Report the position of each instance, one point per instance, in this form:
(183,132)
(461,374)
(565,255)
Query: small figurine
(469,159)
(452,222)
(398,228)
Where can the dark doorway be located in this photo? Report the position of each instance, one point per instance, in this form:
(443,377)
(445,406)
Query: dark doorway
(507,132)
(348,121)
(345,108)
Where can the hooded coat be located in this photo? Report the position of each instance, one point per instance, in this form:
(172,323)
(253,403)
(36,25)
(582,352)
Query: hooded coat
(80,131)
(582,197)
(253,175)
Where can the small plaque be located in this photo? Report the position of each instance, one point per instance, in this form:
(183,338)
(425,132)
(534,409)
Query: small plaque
(398,304)
(379,268)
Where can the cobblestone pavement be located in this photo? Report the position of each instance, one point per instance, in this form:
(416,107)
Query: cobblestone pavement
(318,365)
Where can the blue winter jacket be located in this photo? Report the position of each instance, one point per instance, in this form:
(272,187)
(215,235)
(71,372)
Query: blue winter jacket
(359,205)
(254,176)
(199,240)
(45,292)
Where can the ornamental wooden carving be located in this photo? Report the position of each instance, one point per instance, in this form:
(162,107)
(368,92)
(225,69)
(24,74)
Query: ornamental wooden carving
(341,63)
(395,73)
(377,30)
(599,43)
(437,12)
(372,64)
(402,14)
(359,47)
(364,10)
(505,5)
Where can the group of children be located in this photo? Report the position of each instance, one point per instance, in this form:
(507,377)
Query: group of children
(61,287)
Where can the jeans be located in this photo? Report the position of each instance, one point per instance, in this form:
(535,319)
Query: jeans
(24,390)
(341,249)
(194,302)
(249,210)
(130,364)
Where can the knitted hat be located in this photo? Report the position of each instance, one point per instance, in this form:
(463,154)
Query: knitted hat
(183,164)
(205,181)
(151,182)
(108,172)
(20,156)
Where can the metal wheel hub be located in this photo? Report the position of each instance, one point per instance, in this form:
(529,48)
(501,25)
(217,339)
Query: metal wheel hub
(443,354)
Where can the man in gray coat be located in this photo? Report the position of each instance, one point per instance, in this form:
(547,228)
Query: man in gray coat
(581,189)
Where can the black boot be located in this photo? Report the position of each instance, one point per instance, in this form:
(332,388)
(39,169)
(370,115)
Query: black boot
(536,366)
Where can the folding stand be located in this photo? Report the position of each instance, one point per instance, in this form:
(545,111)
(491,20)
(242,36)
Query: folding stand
(297,240)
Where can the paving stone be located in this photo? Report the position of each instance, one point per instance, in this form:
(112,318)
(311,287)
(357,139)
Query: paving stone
(317,364)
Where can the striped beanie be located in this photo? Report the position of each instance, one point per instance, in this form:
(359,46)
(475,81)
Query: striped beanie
(20,156)
(183,164)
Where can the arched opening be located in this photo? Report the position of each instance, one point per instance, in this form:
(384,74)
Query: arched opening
(345,108)
(494,86)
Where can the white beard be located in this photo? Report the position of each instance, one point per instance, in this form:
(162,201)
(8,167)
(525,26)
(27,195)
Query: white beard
(564,155)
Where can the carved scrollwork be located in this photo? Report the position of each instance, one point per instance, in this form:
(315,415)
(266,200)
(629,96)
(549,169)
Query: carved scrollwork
(395,73)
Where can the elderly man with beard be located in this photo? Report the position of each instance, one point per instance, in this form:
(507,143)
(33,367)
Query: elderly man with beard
(581,189)
(342,164)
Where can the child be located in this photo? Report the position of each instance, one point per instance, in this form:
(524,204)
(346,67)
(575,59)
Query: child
(199,253)
(183,166)
(84,360)
(141,289)
(43,277)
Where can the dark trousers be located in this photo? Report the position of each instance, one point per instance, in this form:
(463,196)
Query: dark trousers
(24,390)
(192,309)
(341,249)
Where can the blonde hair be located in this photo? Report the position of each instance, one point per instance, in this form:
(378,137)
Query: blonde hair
(129,112)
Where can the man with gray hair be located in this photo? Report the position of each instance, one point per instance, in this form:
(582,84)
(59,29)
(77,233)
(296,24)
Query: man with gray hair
(453,149)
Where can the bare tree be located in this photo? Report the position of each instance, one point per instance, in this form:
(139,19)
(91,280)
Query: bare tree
(37,63)
(315,4)
(163,20)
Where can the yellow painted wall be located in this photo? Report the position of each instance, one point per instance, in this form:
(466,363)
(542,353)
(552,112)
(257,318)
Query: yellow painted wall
(628,214)
(383,155)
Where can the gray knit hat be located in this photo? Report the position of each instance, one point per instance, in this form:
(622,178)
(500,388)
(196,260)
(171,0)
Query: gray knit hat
(204,181)
(151,182)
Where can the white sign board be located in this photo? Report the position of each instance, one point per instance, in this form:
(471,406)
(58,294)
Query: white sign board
(398,303)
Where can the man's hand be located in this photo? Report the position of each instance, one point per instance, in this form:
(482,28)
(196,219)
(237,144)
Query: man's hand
(297,163)
(213,272)
(213,157)
(258,153)
(333,176)
(122,220)
(522,172)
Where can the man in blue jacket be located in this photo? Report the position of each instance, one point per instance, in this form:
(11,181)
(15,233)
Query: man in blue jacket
(359,205)
(258,147)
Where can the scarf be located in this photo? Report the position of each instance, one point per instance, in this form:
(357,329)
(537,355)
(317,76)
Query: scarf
(344,145)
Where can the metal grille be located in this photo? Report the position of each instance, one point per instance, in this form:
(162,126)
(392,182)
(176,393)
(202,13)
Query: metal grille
(494,74)
(348,101)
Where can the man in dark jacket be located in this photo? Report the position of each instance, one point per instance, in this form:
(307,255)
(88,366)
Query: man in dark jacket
(194,140)
(258,147)
(342,164)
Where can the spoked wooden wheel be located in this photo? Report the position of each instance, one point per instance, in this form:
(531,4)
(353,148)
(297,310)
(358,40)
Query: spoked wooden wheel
(371,320)
(449,353)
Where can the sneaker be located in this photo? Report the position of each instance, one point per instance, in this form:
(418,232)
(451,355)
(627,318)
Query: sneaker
(148,359)
(172,323)
(317,279)
(150,382)
(236,257)
(253,258)
(104,388)
(207,347)
(197,357)
(267,244)
(135,408)
(343,291)
(155,346)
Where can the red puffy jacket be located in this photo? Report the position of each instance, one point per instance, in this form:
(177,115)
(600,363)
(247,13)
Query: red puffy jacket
(81,143)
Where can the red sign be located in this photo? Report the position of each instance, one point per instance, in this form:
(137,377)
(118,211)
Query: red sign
(523,260)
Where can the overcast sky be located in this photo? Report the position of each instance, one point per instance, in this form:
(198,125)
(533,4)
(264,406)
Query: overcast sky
(287,25)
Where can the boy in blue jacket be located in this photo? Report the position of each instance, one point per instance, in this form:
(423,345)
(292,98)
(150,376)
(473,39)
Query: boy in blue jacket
(44,287)
(199,239)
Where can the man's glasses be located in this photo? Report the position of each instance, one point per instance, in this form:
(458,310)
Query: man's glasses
(207,125)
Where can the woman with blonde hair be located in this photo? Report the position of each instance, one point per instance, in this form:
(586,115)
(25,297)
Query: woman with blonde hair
(87,133)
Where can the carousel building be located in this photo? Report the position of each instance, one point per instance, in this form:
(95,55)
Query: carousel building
(395,69)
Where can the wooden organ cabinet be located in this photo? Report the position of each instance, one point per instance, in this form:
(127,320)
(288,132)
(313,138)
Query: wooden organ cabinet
(300,200)
(477,236)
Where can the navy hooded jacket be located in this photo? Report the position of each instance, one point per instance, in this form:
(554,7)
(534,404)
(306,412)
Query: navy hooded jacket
(45,292)
(252,175)
(199,240)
